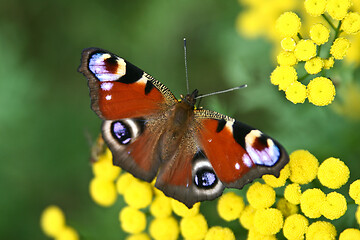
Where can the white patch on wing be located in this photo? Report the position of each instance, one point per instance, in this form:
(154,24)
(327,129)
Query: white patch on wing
(97,66)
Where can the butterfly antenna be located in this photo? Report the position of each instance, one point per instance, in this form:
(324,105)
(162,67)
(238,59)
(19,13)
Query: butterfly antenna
(186,71)
(223,91)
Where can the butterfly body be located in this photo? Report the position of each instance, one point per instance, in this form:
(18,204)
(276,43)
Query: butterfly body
(193,153)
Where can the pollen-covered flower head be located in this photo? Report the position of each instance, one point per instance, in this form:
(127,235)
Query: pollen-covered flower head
(314,65)
(351,23)
(132,220)
(164,228)
(296,92)
(319,33)
(321,91)
(315,7)
(311,202)
(283,76)
(230,206)
(193,227)
(321,230)
(305,49)
(219,233)
(334,206)
(303,166)
(338,9)
(333,173)
(339,48)
(268,221)
(295,226)
(260,195)
(288,24)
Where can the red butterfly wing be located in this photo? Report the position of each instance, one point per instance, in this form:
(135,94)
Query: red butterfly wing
(118,89)
(238,153)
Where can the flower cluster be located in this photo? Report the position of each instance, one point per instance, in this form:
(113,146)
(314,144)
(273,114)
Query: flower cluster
(304,63)
(143,199)
(53,224)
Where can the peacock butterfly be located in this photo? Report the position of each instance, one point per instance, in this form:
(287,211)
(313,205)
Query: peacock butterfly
(193,153)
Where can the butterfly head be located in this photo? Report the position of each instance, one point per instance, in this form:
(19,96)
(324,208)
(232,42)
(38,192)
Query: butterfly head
(190,99)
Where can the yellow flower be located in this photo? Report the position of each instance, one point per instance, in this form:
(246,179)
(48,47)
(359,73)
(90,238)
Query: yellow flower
(292,193)
(354,191)
(164,229)
(52,221)
(295,226)
(268,221)
(255,235)
(334,206)
(183,211)
(351,23)
(321,230)
(138,236)
(314,65)
(230,206)
(132,220)
(315,7)
(305,49)
(247,217)
(285,58)
(288,24)
(350,234)
(161,207)
(138,194)
(68,233)
(321,91)
(329,63)
(124,181)
(103,191)
(286,208)
(333,173)
(319,33)
(296,93)
(260,195)
(275,182)
(311,202)
(340,48)
(283,76)
(194,227)
(219,233)
(303,167)
(104,168)
(337,9)
(288,44)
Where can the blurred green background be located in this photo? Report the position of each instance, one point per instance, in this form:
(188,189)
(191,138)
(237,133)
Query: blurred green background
(45,107)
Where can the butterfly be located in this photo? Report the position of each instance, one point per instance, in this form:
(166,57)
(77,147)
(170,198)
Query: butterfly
(193,153)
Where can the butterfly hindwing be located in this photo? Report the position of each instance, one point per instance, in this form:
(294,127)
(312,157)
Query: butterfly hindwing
(118,89)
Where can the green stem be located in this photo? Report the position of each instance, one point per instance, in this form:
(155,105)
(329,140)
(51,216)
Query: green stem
(303,77)
(337,31)
(318,50)
(351,202)
(328,21)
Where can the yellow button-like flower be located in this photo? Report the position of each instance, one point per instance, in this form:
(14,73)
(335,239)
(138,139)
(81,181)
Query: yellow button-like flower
(161,207)
(314,65)
(292,193)
(351,23)
(329,63)
(139,194)
(219,233)
(288,44)
(305,49)
(124,181)
(296,92)
(183,211)
(286,208)
(354,191)
(164,229)
(247,217)
(268,221)
(321,91)
(303,167)
(138,236)
(295,226)
(319,33)
(230,206)
(285,58)
(288,24)
(350,234)
(333,173)
(132,220)
(275,182)
(283,76)
(311,202)
(194,227)
(52,221)
(321,230)
(260,195)
(255,235)
(337,9)
(340,48)
(103,191)
(334,206)
(315,7)
(68,233)
(104,168)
